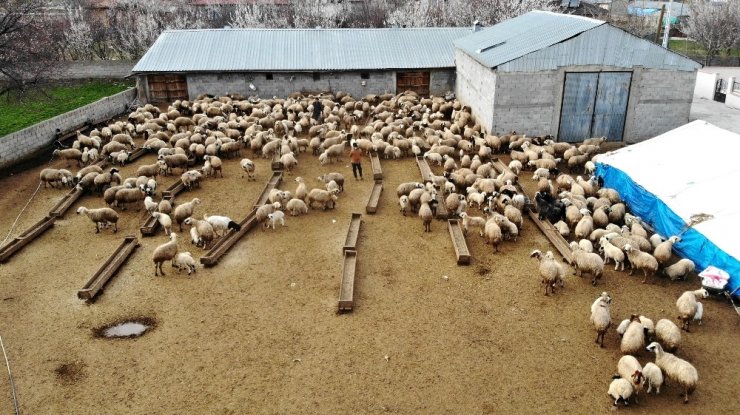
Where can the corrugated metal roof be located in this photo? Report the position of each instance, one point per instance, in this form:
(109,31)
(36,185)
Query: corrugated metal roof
(521,35)
(301,49)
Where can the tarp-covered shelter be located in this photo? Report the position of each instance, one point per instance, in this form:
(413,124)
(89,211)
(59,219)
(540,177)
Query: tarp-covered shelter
(685,176)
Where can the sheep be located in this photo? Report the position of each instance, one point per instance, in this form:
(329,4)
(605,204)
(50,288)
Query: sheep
(629,368)
(222,224)
(126,196)
(620,389)
(212,165)
(184,261)
(585,226)
(655,240)
(296,207)
(191,179)
(204,230)
(611,252)
(404,204)
(406,188)
(653,377)
(472,221)
(184,211)
(104,180)
(509,229)
(301,192)
(164,252)
(641,260)
(676,369)
(275,217)
(105,216)
(332,187)
(588,262)
(633,339)
(337,177)
(668,334)
(492,234)
(513,214)
(663,251)
(601,316)
(264,210)
(321,197)
(550,270)
(562,228)
(699,313)
(150,205)
(173,161)
(149,170)
(680,269)
(248,167)
(54,177)
(164,206)
(426,214)
(69,154)
(687,306)
(164,220)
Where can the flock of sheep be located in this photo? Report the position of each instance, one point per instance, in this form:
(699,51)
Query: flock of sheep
(208,130)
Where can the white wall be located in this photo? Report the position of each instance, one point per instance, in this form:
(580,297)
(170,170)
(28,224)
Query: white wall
(475,86)
(704,87)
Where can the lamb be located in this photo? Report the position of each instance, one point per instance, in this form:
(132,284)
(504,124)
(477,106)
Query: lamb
(404,204)
(668,334)
(164,220)
(264,210)
(150,205)
(426,215)
(653,377)
(249,168)
(184,211)
(687,306)
(601,316)
(663,251)
(676,369)
(204,230)
(641,260)
(184,261)
(275,217)
(629,368)
(332,187)
(321,197)
(212,165)
(680,269)
(588,262)
(222,224)
(620,389)
(550,270)
(611,252)
(337,177)
(69,154)
(105,216)
(164,252)
(472,221)
(54,177)
(634,337)
(296,207)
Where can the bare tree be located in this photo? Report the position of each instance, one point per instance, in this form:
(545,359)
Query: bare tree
(714,25)
(258,15)
(27,46)
(425,13)
(318,13)
(78,38)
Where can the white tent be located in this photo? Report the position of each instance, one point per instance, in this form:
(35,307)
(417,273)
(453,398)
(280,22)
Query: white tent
(685,176)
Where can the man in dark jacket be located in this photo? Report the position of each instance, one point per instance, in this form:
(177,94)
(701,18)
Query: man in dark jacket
(318,108)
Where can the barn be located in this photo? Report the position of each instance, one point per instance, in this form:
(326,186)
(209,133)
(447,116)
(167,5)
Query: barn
(183,64)
(572,77)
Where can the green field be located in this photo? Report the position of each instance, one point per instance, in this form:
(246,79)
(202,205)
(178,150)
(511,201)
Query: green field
(55,100)
(693,48)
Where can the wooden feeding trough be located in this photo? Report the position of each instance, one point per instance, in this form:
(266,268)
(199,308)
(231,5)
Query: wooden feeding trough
(458,242)
(136,154)
(222,246)
(377,171)
(151,225)
(553,235)
(276,164)
(347,286)
(67,201)
(277,177)
(353,232)
(442,212)
(108,269)
(173,190)
(7,250)
(424,169)
(372,203)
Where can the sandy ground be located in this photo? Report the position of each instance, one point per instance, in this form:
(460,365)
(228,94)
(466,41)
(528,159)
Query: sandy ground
(259,332)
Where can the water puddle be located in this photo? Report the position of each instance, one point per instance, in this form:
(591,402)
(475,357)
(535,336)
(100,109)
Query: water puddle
(127,328)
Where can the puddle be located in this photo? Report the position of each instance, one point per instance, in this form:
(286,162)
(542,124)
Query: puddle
(127,328)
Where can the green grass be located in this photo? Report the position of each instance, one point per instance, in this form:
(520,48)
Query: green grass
(16,115)
(693,48)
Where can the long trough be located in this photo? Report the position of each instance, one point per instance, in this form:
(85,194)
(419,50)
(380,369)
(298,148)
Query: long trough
(109,268)
(25,238)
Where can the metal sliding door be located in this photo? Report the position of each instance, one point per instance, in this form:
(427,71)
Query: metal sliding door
(579,95)
(611,105)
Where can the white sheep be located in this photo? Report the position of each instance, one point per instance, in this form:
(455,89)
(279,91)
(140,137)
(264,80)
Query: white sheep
(629,368)
(641,260)
(184,261)
(204,230)
(653,377)
(150,205)
(668,334)
(296,207)
(687,305)
(699,313)
(472,221)
(249,168)
(54,177)
(301,192)
(105,216)
(332,187)
(611,252)
(185,210)
(680,269)
(676,369)
(275,217)
(404,204)
(426,215)
(264,210)
(164,220)
(322,198)
(222,224)
(562,228)
(601,316)
(585,226)
(163,253)
(550,270)
(620,388)
(587,262)
(634,337)
(663,251)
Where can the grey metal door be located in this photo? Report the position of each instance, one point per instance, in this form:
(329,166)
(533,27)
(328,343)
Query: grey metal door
(611,105)
(579,95)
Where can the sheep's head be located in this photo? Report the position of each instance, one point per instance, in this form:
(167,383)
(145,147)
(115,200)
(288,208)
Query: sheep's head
(628,248)
(536,254)
(675,239)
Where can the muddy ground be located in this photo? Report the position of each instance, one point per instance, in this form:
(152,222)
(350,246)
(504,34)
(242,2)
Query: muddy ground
(259,332)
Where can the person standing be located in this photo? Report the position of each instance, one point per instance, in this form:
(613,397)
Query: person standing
(356,156)
(318,108)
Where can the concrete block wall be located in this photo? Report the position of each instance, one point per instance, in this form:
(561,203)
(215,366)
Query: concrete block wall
(23,144)
(441,82)
(525,102)
(475,86)
(662,102)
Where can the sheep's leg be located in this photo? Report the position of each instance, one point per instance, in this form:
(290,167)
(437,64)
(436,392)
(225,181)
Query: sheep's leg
(686,396)
(97,227)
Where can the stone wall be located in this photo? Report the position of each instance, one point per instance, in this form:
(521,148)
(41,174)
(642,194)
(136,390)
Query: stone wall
(23,144)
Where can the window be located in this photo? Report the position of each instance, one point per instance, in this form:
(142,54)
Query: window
(365,75)
(316,76)
(268,76)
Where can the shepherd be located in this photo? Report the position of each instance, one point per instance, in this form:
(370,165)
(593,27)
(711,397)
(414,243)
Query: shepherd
(356,156)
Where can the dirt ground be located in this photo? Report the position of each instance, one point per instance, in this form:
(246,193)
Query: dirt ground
(259,332)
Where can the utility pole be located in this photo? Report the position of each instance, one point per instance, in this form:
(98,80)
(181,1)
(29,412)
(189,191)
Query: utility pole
(660,23)
(667,32)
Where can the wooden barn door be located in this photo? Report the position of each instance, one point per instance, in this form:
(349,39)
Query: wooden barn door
(594,105)
(167,88)
(413,81)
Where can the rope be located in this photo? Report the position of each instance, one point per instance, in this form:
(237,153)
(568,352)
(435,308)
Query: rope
(10,376)
(19,214)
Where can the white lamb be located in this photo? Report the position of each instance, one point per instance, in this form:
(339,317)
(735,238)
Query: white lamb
(653,377)
(222,224)
(611,252)
(184,261)
(472,221)
(687,305)
(275,217)
(164,220)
